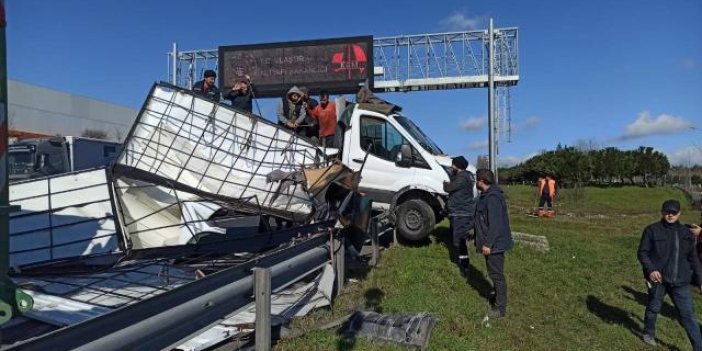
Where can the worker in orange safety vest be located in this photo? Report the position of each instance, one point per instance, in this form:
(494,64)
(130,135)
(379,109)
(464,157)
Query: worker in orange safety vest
(547,191)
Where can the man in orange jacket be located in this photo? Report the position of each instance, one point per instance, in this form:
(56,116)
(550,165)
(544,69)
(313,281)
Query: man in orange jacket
(547,191)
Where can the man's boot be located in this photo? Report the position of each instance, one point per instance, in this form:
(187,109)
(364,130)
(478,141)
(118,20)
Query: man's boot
(463,260)
(464,265)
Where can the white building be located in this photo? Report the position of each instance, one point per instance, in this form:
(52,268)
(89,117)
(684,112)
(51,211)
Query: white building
(35,110)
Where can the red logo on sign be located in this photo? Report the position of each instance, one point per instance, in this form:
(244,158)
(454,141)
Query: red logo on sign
(353,58)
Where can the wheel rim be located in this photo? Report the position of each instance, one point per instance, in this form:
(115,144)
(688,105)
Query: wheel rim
(413,220)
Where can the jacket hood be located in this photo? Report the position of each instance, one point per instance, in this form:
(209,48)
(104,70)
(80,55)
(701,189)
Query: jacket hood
(294,90)
(494,189)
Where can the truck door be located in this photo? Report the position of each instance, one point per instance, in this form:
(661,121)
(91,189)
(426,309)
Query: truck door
(381,177)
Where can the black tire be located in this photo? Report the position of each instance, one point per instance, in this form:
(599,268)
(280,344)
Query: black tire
(415,220)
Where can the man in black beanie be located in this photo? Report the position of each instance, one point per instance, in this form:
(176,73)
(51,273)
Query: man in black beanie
(207,87)
(461,207)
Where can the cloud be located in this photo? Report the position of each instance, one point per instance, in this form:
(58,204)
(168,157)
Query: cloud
(688,64)
(688,155)
(509,161)
(477,145)
(645,125)
(530,122)
(473,123)
(460,22)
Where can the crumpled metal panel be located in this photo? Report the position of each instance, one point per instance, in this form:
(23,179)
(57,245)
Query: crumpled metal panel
(182,138)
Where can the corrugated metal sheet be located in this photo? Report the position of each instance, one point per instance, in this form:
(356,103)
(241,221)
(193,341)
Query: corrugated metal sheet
(63,216)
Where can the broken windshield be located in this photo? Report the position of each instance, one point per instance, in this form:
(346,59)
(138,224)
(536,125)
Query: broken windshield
(21,161)
(424,141)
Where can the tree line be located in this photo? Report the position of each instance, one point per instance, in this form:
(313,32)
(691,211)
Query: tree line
(575,166)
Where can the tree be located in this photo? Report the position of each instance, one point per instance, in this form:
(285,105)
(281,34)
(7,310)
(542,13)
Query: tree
(576,165)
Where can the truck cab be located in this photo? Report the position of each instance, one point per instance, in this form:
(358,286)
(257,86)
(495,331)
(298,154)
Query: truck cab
(34,158)
(402,169)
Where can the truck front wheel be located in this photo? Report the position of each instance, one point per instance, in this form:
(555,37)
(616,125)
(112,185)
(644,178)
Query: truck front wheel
(415,220)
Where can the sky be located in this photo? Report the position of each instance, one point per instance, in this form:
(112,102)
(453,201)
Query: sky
(597,73)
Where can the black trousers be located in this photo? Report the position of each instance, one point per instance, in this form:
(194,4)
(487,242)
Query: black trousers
(460,225)
(545,199)
(496,271)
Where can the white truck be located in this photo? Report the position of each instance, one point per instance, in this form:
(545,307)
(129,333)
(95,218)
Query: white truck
(33,158)
(404,170)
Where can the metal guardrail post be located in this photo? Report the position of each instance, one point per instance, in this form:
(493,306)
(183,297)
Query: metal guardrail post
(340,264)
(374,241)
(262,293)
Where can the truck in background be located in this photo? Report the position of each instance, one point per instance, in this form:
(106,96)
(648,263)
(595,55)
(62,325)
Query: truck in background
(34,158)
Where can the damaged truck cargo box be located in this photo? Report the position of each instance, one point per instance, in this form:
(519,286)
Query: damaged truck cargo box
(190,166)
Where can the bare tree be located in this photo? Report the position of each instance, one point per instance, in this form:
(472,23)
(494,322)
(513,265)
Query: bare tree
(482,162)
(94,133)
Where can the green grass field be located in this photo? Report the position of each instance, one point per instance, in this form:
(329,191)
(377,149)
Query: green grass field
(586,293)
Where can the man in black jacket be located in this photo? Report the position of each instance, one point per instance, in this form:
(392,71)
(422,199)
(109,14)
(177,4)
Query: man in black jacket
(461,207)
(241,94)
(207,87)
(493,236)
(668,258)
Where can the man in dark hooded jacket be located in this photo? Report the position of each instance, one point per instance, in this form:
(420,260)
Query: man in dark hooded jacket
(668,258)
(493,236)
(291,109)
(461,206)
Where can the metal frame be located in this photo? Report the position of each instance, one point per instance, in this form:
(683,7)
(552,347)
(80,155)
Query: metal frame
(163,321)
(452,60)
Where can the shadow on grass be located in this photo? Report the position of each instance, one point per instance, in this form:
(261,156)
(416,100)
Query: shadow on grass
(476,279)
(615,315)
(642,297)
(347,340)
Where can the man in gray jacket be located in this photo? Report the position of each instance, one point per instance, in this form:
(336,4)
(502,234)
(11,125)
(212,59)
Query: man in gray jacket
(291,110)
(493,237)
(461,206)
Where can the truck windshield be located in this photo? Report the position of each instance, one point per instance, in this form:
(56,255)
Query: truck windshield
(21,161)
(418,135)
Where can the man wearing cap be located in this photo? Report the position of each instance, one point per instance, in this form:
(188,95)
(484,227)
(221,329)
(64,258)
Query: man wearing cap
(668,258)
(207,87)
(461,206)
(241,94)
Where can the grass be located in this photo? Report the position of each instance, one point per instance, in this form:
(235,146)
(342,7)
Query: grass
(586,293)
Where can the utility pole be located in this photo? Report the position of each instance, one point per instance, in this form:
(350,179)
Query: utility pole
(492,142)
(12,300)
(174,65)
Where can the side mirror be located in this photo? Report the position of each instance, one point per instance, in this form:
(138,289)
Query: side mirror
(41,162)
(404,157)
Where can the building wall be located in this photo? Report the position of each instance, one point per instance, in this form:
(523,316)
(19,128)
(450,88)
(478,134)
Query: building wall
(34,109)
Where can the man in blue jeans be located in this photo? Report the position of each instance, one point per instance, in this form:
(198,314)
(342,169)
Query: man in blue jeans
(668,258)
